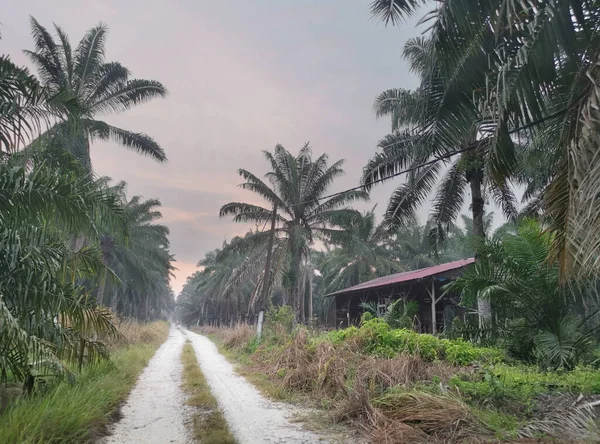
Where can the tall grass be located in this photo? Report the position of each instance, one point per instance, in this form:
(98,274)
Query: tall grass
(78,412)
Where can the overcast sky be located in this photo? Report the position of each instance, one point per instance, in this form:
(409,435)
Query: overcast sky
(243,75)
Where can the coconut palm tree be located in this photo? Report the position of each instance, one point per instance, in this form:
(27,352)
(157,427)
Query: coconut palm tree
(297,188)
(98,88)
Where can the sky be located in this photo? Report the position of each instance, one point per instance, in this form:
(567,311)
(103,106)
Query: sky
(243,76)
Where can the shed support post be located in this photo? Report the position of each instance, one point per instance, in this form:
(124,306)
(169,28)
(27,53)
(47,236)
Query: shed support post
(433,315)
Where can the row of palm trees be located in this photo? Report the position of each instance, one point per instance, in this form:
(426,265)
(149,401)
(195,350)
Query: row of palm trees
(320,245)
(73,244)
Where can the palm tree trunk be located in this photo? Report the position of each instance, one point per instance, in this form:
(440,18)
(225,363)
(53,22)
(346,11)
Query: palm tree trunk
(303,299)
(101,287)
(295,287)
(484,306)
(310,295)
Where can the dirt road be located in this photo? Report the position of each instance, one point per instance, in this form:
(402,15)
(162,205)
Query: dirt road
(156,411)
(251,417)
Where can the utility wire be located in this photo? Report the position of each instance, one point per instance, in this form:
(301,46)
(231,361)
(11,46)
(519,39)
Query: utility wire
(436,159)
(407,170)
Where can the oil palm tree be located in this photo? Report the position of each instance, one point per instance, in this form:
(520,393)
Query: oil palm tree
(26,106)
(361,252)
(540,84)
(434,121)
(141,263)
(19,105)
(548,322)
(208,295)
(45,316)
(98,87)
(297,186)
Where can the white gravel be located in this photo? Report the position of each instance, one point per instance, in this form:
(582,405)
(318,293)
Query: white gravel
(251,417)
(155,411)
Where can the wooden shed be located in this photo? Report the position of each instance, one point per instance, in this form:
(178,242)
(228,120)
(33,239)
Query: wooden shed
(436,308)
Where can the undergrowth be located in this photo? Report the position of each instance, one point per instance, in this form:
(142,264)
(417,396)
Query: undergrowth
(399,386)
(209,425)
(79,411)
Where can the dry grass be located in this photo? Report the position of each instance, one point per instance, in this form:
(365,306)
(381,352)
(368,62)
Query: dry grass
(567,417)
(132,332)
(356,388)
(236,337)
(396,400)
(209,425)
(208,330)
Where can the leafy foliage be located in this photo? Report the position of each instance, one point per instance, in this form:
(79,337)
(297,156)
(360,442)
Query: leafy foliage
(83,77)
(359,252)
(55,218)
(382,340)
(141,264)
(45,315)
(551,323)
(524,76)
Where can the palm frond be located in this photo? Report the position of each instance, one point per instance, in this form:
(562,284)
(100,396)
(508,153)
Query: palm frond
(395,11)
(89,56)
(139,142)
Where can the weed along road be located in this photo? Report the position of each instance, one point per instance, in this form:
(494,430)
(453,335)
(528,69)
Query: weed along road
(156,411)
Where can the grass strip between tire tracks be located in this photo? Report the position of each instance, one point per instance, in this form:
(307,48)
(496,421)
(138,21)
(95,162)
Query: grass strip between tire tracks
(208,424)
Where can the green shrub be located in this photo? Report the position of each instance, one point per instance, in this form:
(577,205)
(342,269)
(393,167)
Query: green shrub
(503,384)
(381,340)
(366,316)
(337,336)
(279,321)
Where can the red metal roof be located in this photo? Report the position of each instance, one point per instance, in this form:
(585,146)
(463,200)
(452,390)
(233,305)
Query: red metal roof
(406,276)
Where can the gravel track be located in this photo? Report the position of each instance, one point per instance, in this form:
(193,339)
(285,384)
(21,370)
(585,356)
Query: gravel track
(251,417)
(155,411)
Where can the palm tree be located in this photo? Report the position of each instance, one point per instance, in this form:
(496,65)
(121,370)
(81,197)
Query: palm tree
(19,105)
(436,120)
(25,106)
(97,86)
(546,321)
(140,262)
(420,246)
(362,252)
(541,80)
(297,188)
(208,295)
(45,316)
